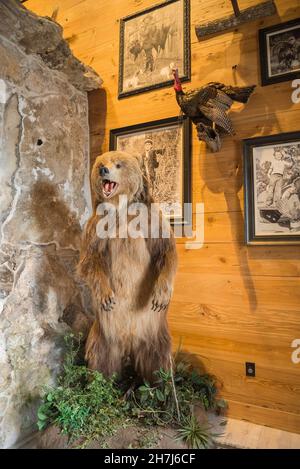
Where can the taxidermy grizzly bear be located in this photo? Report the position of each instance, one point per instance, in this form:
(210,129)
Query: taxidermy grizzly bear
(131,278)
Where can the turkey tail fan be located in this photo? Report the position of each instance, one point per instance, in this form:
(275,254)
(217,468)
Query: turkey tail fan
(241,94)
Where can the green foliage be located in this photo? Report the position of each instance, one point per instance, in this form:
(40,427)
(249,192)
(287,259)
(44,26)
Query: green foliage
(86,405)
(156,404)
(194,434)
(83,403)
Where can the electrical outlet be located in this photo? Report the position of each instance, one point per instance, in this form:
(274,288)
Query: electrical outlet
(250,369)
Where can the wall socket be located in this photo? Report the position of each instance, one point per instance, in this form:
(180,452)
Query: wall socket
(250,369)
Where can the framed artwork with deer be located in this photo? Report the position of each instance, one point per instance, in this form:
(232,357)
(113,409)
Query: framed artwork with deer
(152,43)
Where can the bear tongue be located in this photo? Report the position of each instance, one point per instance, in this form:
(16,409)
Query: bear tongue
(108,186)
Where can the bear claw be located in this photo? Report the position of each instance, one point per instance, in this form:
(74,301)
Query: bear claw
(108,304)
(158,306)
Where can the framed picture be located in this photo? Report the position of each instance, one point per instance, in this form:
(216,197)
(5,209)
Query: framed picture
(152,43)
(280,52)
(272,189)
(163,147)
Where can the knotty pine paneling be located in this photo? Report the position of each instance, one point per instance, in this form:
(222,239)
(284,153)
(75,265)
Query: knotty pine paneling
(232,303)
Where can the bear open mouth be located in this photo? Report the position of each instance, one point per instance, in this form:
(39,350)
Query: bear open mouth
(109,187)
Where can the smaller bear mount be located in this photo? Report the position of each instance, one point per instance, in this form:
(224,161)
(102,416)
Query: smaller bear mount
(207,108)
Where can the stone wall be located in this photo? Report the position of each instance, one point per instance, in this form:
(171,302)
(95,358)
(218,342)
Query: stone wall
(44,203)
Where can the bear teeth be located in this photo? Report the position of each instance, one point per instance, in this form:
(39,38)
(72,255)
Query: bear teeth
(109,187)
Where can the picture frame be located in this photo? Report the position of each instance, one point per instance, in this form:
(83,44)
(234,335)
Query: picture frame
(164,149)
(272,189)
(152,41)
(279,47)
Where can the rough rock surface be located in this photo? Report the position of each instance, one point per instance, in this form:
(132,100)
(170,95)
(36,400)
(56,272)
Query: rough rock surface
(44,203)
(43,36)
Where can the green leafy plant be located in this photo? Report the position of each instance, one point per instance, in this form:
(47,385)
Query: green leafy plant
(85,405)
(195,434)
(84,401)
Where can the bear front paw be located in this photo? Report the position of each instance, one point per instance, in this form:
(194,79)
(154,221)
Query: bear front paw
(161,298)
(105,299)
(107,302)
(157,306)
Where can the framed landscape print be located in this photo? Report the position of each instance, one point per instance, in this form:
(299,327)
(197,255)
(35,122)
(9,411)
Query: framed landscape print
(152,43)
(163,148)
(272,189)
(280,52)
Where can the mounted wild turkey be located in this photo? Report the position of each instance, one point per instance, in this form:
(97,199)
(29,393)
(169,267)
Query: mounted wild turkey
(207,106)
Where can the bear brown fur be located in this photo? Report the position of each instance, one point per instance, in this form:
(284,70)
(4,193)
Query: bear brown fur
(131,279)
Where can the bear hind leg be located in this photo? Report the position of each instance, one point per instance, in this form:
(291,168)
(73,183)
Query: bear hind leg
(101,356)
(152,355)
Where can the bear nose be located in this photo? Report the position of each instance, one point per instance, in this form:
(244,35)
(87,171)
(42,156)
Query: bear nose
(103,171)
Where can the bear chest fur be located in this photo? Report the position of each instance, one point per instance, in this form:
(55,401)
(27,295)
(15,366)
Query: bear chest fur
(131,273)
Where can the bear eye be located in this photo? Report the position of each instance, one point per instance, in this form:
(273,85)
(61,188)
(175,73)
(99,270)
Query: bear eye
(118,165)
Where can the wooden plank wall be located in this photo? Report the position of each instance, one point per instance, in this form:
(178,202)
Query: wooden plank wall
(232,303)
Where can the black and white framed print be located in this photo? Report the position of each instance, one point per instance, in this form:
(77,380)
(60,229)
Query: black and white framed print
(163,147)
(280,52)
(152,43)
(272,189)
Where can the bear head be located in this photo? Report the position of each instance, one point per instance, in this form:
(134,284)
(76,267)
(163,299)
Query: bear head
(118,173)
